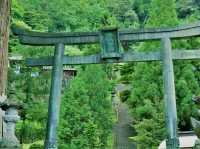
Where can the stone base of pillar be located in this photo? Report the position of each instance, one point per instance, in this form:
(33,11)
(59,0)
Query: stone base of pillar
(173,143)
(6,144)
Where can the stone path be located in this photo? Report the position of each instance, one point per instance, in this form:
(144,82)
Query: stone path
(122,129)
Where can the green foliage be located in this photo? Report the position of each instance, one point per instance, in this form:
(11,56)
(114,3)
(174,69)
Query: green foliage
(36,146)
(126,72)
(186,7)
(124,13)
(33,93)
(141,7)
(85,106)
(17,10)
(167,14)
(125,95)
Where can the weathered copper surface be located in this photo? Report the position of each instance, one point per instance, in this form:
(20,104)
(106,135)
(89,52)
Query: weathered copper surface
(39,38)
(110,44)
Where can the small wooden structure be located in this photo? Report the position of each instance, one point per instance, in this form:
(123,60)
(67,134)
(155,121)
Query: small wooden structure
(68,74)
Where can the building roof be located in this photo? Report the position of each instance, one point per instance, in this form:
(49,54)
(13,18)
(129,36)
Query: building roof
(15,58)
(187,140)
(64,68)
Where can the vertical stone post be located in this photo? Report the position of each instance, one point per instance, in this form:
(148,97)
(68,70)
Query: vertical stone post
(169,95)
(54,99)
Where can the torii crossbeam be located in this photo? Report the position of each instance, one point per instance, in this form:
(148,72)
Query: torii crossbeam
(112,53)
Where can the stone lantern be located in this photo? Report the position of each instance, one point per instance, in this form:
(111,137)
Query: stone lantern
(11,116)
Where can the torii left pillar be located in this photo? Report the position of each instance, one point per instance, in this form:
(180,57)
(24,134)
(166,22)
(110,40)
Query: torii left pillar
(55,95)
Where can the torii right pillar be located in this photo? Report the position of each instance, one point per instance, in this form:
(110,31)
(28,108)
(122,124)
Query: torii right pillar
(172,141)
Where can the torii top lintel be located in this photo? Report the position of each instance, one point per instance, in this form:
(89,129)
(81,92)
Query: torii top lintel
(39,38)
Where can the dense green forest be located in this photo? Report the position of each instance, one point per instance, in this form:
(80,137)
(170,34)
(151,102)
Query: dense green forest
(87,117)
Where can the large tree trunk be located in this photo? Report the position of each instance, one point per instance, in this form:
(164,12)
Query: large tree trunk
(4,37)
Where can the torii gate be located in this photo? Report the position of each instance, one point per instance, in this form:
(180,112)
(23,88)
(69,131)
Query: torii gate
(111,53)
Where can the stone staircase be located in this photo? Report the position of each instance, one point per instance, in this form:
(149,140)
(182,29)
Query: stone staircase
(122,129)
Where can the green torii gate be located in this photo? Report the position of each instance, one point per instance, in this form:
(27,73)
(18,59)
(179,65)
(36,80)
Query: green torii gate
(111,53)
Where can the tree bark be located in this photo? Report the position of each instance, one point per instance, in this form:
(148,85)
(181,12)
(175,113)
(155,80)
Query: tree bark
(4,38)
